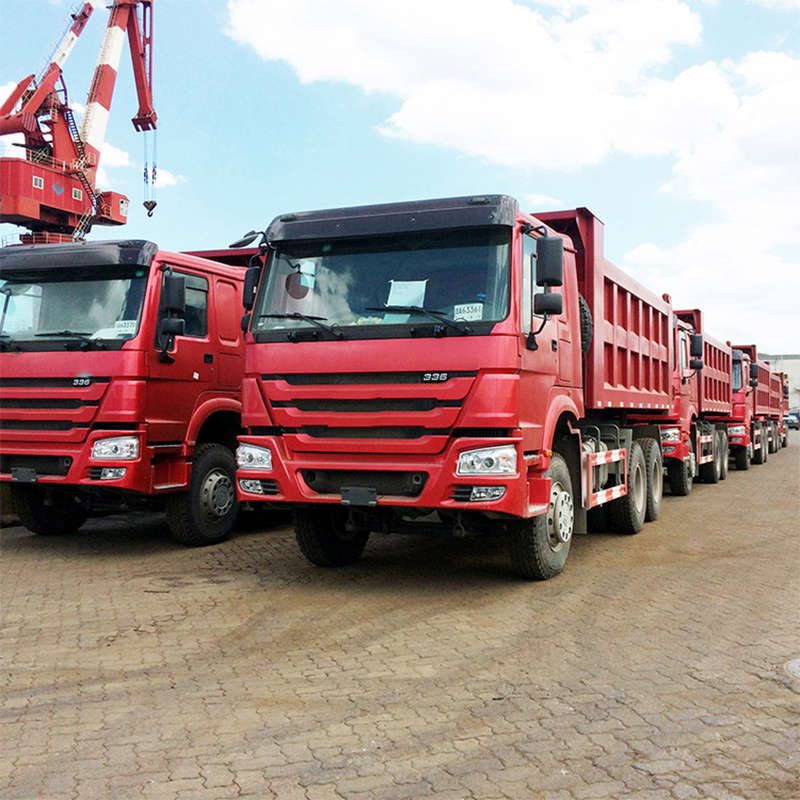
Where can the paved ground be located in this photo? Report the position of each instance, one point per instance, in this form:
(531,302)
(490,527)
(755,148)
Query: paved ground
(654,667)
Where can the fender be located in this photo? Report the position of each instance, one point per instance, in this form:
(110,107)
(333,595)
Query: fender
(560,402)
(204,409)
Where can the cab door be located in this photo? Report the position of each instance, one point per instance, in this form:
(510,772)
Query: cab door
(182,366)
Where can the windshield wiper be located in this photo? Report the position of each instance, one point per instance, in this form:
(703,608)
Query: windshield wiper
(86,337)
(333,330)
(87,341)
(427,312)
(7,342)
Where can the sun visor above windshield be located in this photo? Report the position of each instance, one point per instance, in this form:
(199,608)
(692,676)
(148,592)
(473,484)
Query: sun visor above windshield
(131,252)
(424,215)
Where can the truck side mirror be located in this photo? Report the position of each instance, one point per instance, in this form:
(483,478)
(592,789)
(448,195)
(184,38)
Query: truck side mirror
(549,304)
(550,261)
(696,346)
(754,371)
(173,293)
(696,364)
(754,383)
(172,326)
(250,285)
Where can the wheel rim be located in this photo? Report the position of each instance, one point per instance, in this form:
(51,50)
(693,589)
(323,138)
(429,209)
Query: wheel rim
(657,482)
(216,495)
(639,488)
(560,517)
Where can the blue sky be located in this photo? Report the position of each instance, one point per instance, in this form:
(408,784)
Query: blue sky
(677,123)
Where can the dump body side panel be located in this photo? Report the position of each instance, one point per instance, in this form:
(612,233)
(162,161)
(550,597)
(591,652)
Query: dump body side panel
(629,363)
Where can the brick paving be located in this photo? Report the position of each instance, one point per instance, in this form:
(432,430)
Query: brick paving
(653,668)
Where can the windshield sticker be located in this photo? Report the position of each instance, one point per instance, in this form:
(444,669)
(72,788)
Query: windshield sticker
(122,326)
(469,312)
(405,293)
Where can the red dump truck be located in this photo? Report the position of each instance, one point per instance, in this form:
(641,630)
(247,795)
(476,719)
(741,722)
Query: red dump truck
(694,440)
(757,424)
(121,370)
(451,366)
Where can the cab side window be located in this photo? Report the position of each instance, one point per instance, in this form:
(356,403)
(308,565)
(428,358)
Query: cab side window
(196,314)
(529,260)
(196,306)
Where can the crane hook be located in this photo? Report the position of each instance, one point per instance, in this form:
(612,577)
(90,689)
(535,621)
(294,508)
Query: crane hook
(150,206)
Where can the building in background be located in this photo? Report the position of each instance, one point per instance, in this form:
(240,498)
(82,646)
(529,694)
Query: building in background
(790,364)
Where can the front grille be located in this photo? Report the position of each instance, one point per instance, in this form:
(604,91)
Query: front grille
(365,378)
(266,430)
(398,484)
(49,383)
(46,403)
(42,465)
(396,404)
(386,432)
(41,425)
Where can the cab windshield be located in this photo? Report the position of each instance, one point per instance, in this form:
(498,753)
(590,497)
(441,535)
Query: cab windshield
(47,309)
(435,283)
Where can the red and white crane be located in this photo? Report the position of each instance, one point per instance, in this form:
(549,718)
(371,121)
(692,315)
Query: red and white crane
(51,192)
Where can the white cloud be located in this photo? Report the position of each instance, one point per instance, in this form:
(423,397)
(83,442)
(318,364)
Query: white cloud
(166,178)
(562,84)
(491,78)
(111,157)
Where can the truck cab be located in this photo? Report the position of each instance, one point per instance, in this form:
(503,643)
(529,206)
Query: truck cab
(121,385)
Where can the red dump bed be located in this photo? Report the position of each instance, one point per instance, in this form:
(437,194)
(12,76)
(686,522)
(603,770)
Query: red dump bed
(629,364)
(775,393)
(715,395)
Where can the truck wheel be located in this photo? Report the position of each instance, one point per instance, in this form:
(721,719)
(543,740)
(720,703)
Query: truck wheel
(725,449)
(627,513)
(654,470)
(324,538)
(539,546)
(760,455)
(680,477)
(710,472)
(587,325)
(743,457)
(59,514)
(206,513)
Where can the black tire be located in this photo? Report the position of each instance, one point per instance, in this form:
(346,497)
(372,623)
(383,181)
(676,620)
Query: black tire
(776,439)
(627,513)
(785,437)
(710,472)
(680,477)
(323,536)
(743,457)
(654,470)
(726,454)
(760,455)
(206,513)
(55,515)
(587,325)
(539,546)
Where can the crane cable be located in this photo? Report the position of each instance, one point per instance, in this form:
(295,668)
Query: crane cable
(150,174)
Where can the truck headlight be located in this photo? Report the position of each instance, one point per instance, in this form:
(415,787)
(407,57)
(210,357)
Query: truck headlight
(670,434)
(488,461)
(736,430)
(249,456)
(118,448)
